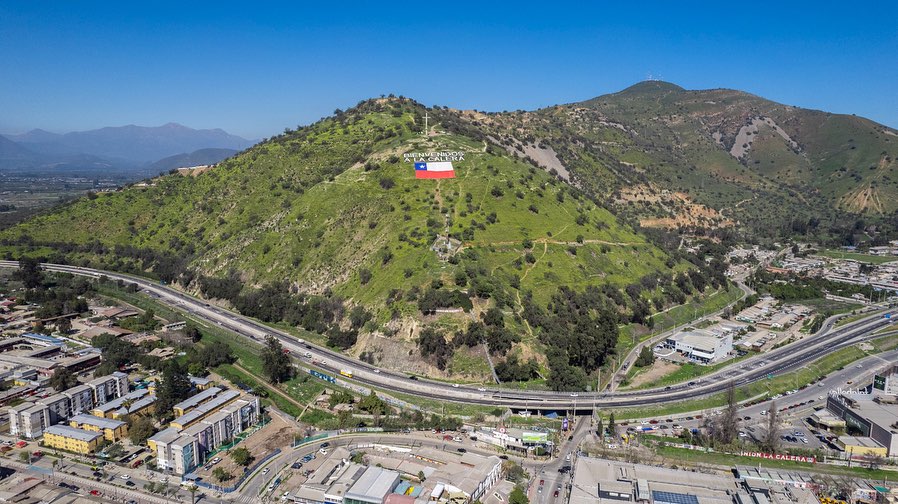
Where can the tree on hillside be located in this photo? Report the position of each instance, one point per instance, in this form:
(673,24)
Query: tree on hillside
(63,379)
(364,276)
(432,342)
(771,439)
(275,363)
(564,376)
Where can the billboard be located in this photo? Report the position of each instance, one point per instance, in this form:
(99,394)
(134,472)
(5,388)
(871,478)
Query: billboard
(879,382)
(534,437)
(325,377)
(779,456)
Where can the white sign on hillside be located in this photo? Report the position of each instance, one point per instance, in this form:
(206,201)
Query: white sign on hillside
(434,157)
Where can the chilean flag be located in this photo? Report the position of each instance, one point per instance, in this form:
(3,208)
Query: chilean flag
(441,169)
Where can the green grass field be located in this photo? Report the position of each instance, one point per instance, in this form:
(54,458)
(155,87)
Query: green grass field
(695,457)
(856,256)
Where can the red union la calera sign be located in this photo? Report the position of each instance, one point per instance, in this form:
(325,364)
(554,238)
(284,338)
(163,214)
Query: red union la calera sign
(780,456)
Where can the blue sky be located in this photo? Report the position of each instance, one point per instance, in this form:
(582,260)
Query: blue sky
(253,68)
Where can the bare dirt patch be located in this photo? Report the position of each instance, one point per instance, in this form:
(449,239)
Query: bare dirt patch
(659,369)
(749,132)
(863,198)
(674,209)
(194,171)
(397,353)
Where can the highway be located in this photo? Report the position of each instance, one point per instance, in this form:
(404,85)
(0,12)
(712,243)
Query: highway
(775,362)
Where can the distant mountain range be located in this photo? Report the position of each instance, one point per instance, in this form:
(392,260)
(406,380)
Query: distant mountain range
(130,149)
(195,158)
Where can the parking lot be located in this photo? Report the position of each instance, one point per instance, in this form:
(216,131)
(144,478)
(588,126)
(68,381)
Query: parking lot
(791,436)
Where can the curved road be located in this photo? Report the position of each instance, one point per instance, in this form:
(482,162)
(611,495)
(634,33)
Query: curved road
(778,361)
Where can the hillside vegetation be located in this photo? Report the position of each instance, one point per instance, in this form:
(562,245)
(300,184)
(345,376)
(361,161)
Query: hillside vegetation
(719,161)
(327,229)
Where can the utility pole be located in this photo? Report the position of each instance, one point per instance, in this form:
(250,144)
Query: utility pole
(426,117)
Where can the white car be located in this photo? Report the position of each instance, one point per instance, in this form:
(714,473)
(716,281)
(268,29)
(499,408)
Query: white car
(125,476)
(481,389)
(454,385)
(322,451)
(265,471)
(377,371)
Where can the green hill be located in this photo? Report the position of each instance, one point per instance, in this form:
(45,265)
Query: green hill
(675,158)
(541,249)
(326,228)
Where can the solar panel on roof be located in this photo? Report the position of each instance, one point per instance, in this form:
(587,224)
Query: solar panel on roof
(662,497)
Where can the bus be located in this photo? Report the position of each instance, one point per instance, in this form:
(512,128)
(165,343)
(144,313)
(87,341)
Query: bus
(346,372)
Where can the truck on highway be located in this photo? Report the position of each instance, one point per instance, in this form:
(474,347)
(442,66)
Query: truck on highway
(346,372)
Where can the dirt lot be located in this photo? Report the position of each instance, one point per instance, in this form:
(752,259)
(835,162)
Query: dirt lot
(277,434)
(660,368)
